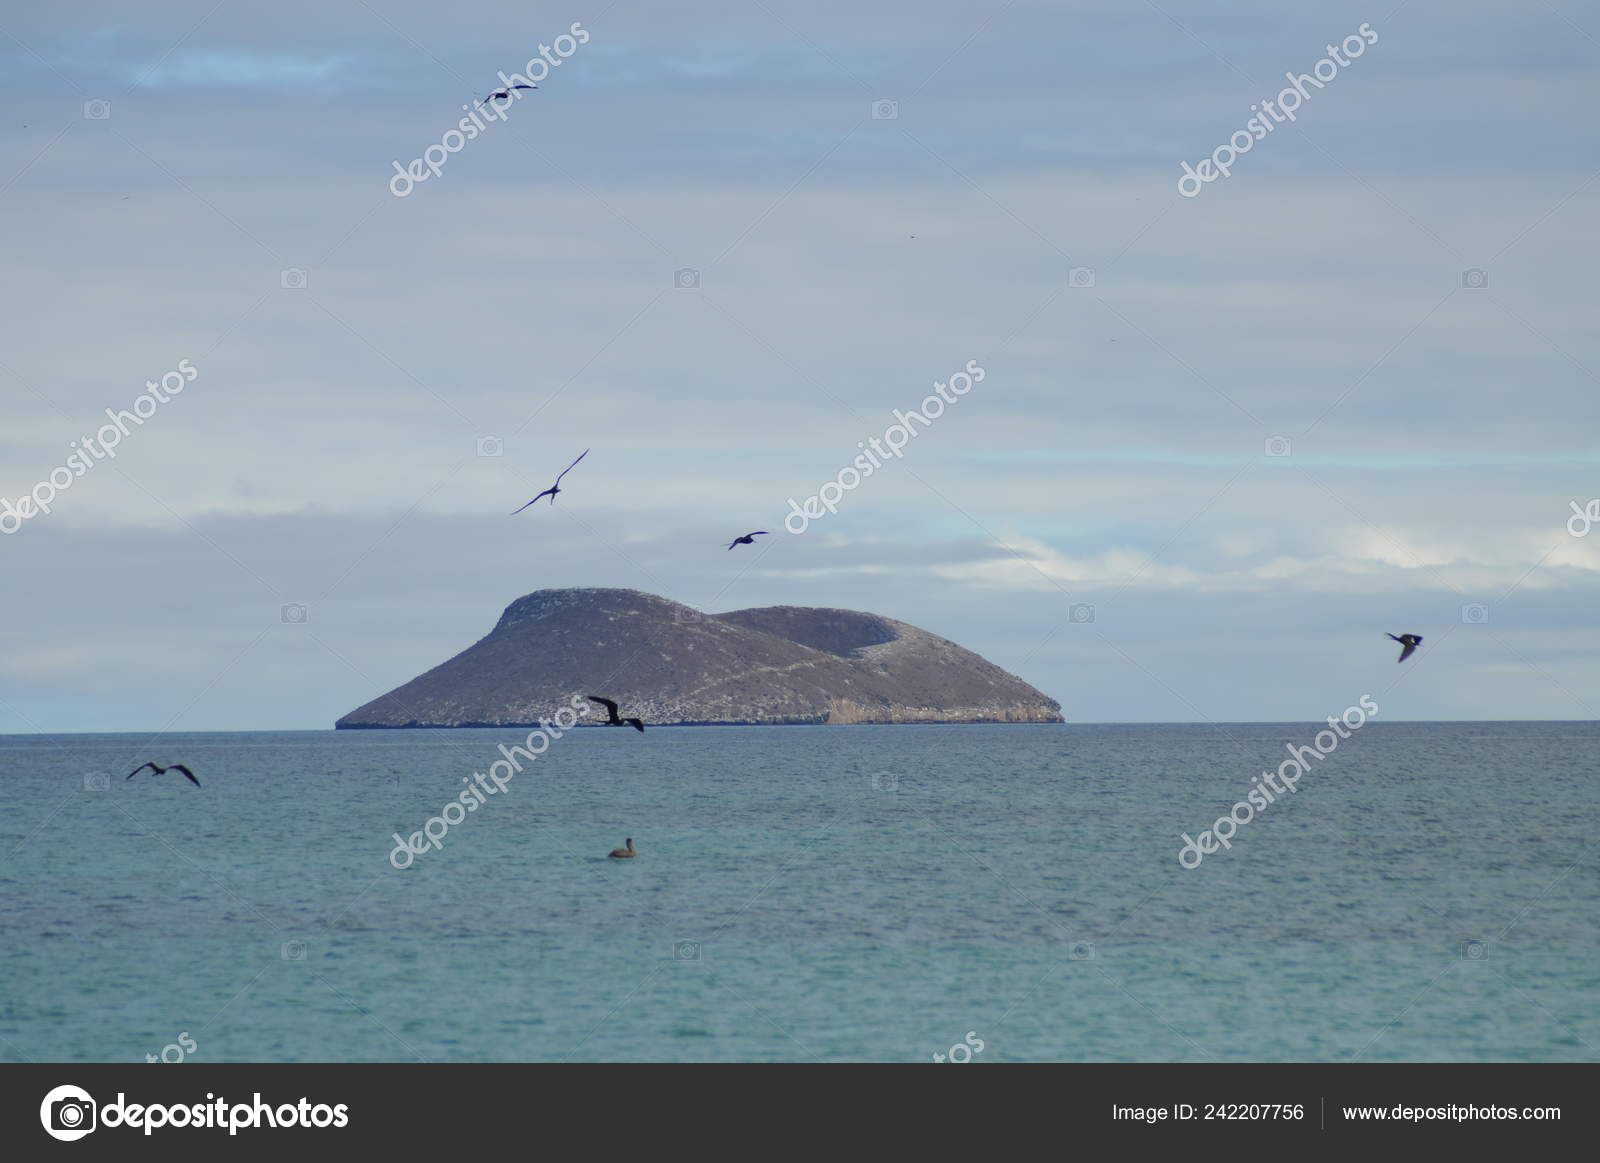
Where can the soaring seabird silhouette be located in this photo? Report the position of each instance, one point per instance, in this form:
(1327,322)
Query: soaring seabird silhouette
(163,770)
(505,94)
(611,710)
(746,539)
(555,488)
(1408,643)
(624,853)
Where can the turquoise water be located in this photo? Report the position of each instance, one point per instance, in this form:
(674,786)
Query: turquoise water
(805,893)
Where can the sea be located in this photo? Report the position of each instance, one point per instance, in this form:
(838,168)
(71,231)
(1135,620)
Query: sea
(963,894)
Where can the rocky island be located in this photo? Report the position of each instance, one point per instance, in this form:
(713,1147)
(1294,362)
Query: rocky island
(670,664)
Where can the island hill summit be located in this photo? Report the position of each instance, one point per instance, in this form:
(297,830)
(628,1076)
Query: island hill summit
(670,664)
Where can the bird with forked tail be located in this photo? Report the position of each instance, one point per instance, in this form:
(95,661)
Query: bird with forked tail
(613,720)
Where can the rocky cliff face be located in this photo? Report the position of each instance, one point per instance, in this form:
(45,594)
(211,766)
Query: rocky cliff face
(669,663)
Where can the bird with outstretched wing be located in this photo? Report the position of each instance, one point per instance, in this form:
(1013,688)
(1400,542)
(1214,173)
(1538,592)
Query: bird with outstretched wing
(613,720)
(157,770)
(1408,645)
(555,488)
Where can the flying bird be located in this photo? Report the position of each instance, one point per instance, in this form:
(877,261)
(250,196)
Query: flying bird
(1408,644)
(555,488)
(611,710)
(505,94)
(155,770)
(624,853)
(747,539)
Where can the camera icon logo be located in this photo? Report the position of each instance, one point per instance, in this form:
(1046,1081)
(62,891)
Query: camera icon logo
(97,781)
(293,279)
(97,110)
(686,615)
(1080,277)
(491,446)
(1475,278)
(1279,446)
(1475,614)
(686,950)
(886,781)
(1474,951)
(292,951)
(1082,951)
(885,110)
(1080,613)
(686,279)
(68,1113)
(294,614)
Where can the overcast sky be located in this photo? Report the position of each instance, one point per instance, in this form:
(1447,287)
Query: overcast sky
(1114,456)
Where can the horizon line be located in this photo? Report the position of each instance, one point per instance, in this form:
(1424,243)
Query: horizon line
(518,726)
